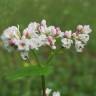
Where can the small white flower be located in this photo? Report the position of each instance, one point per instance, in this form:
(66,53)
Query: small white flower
(30,31)
(53,47)
(43,23)
(48,91)
(84,29)
(75,36)
(79,46)
(79,28)
(11,32)
(34,43)
(24,55)
(51,30)
(33,27)
(66,42)
(42,39)
(61,34)
(87,29)
(56,93)
(84,37)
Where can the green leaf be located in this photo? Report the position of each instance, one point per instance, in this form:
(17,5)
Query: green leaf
(29,72)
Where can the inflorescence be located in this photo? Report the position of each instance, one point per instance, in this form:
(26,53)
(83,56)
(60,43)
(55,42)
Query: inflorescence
(37,35)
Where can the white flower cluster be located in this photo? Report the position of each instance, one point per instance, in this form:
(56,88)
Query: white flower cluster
(81,37)
(55,93)
(39,34)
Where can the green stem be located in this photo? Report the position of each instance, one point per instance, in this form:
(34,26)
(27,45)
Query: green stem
(50,58)
(43,85)
(29,60)
(42,76)
(53,55)
(36,57)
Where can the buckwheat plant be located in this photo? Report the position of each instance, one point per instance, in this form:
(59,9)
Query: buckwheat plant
(38,35)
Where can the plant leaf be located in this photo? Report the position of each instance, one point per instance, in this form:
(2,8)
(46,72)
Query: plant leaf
(28,72)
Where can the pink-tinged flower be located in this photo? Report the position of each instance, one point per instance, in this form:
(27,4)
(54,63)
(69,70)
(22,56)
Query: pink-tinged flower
(68,34)
(23,45)
(58,31)
(12,42)
(42,29)
(30,31)
(10,36)
(51,42)
(54,31)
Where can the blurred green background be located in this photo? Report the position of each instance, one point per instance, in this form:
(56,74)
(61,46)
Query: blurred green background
(74,74)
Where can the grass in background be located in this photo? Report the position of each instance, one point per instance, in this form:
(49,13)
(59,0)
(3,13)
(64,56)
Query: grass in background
(74,74)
